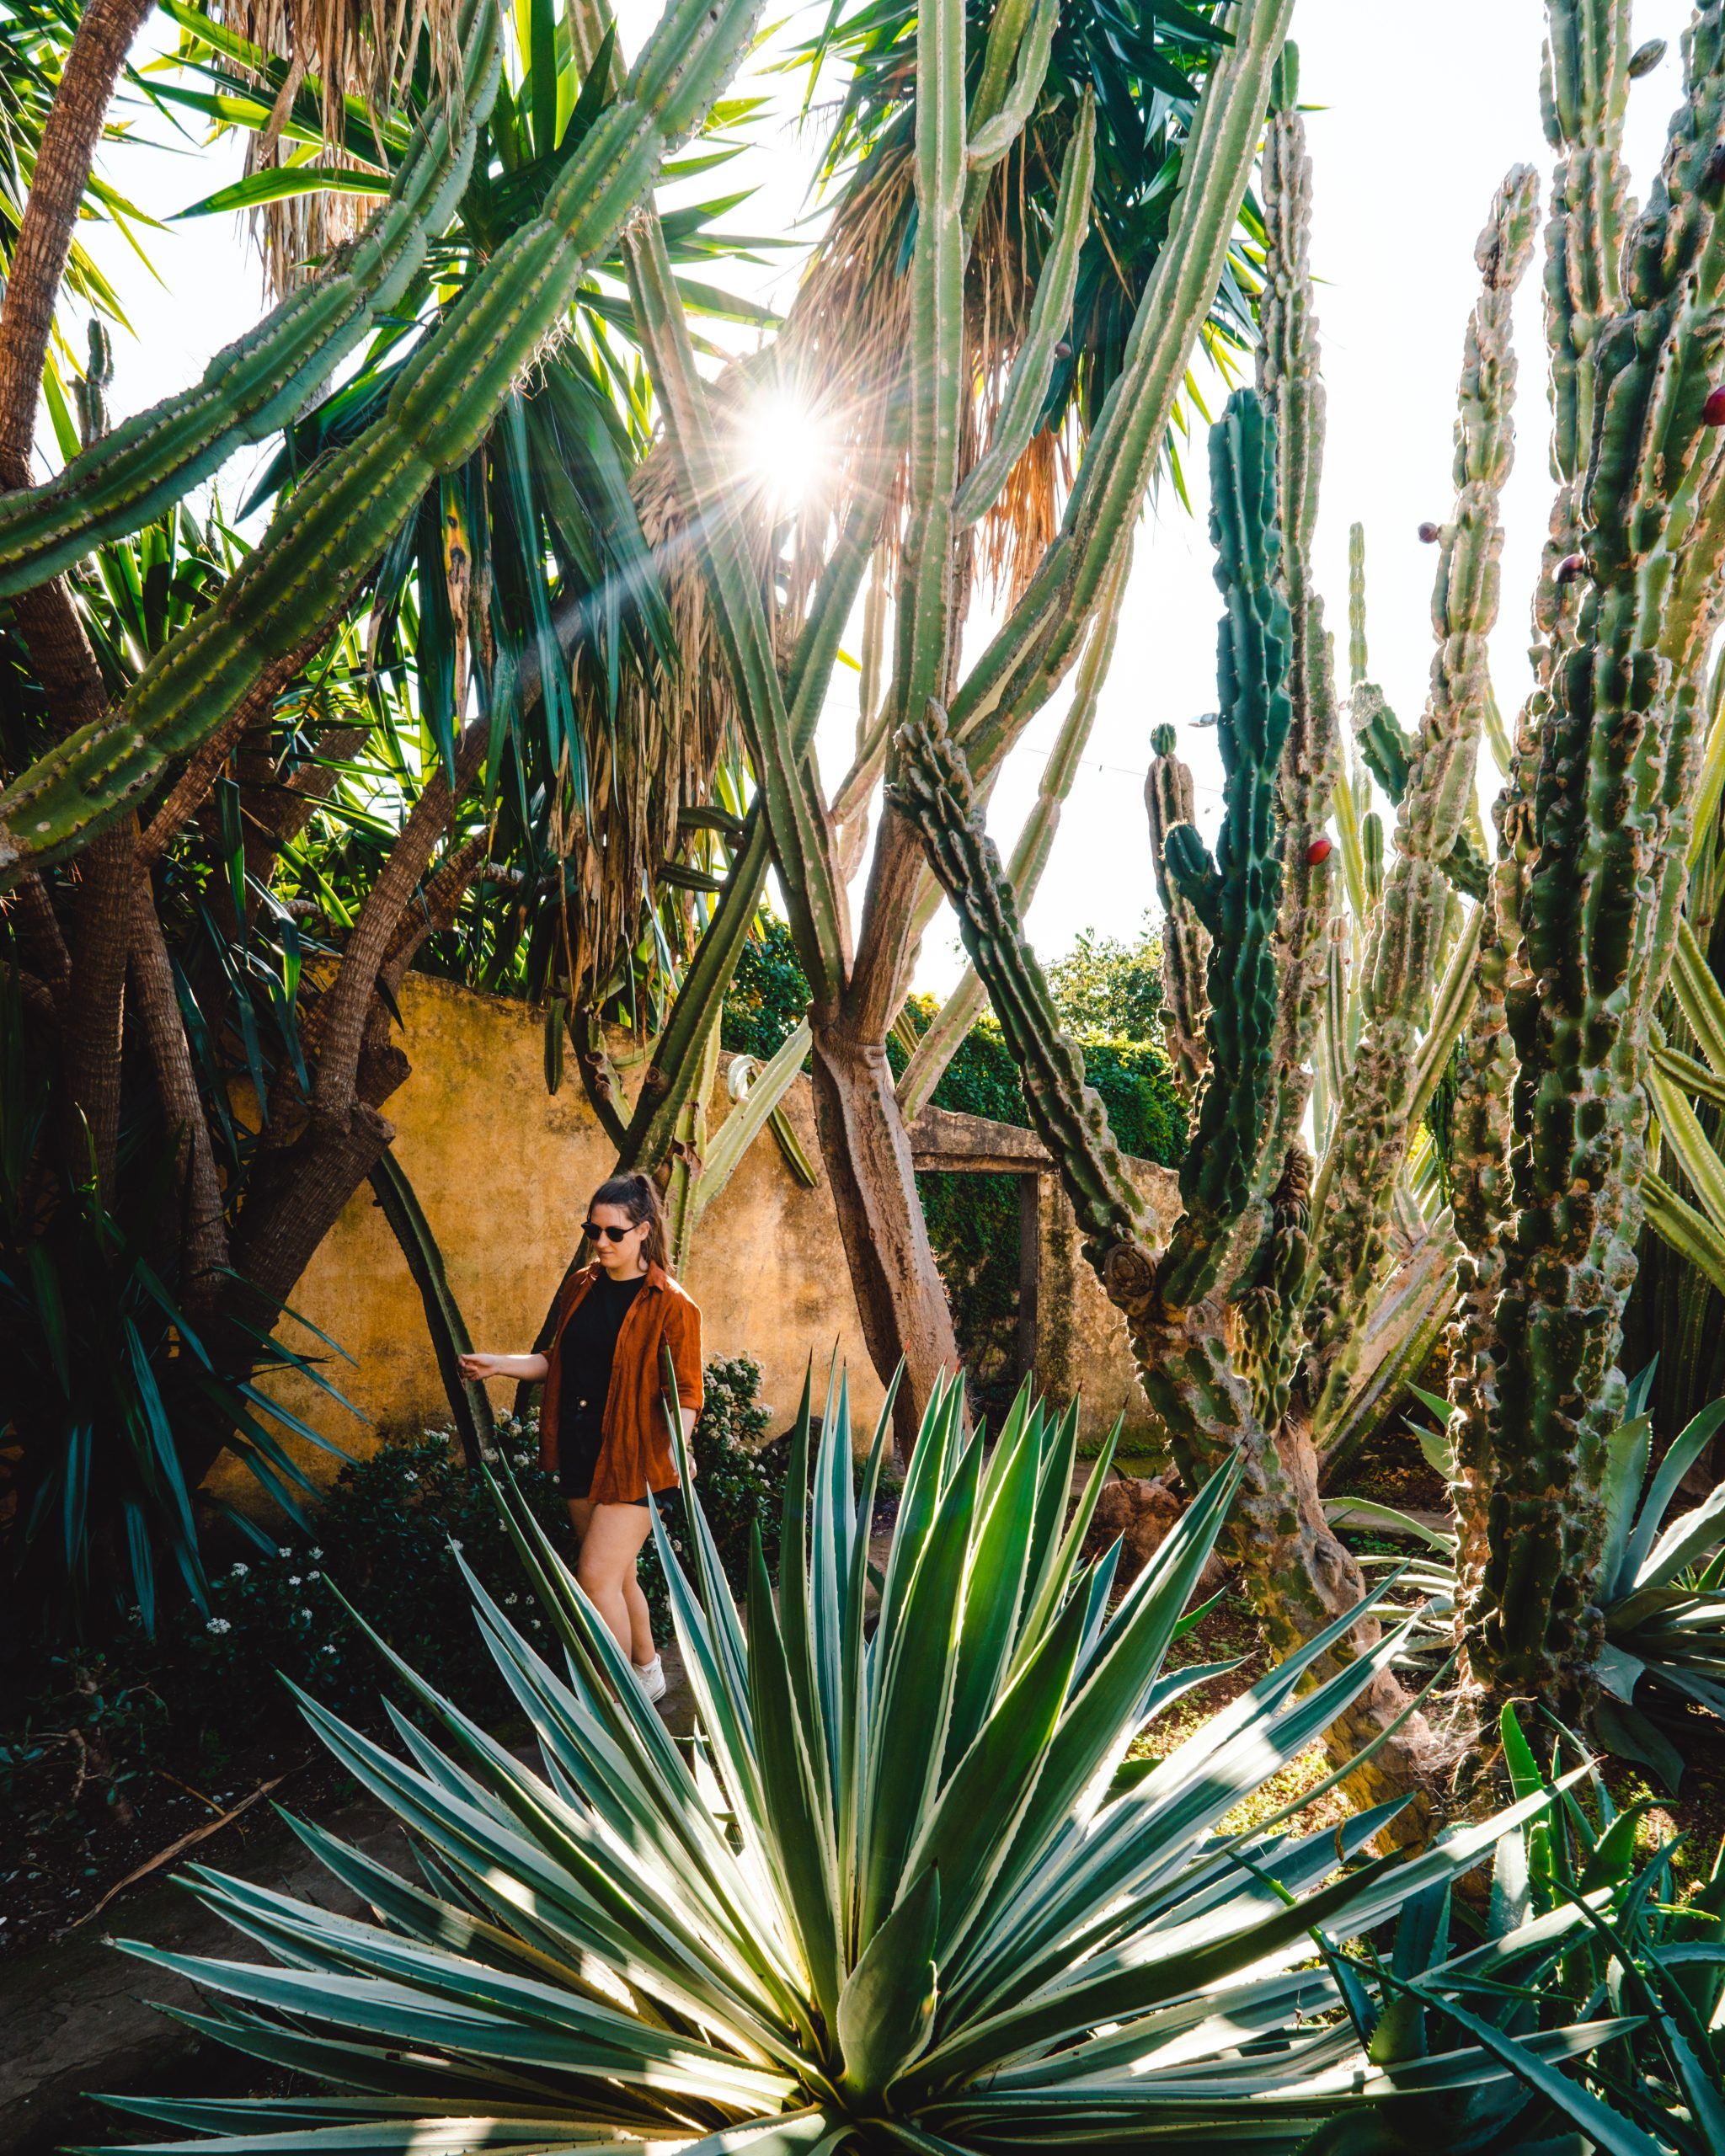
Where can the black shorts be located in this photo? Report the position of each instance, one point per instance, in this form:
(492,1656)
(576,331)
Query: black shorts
(578,1462)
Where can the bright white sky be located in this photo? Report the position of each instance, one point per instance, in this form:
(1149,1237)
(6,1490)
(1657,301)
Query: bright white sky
(1423,109)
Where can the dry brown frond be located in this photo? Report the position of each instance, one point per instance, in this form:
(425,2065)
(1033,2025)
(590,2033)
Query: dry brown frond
(343,48)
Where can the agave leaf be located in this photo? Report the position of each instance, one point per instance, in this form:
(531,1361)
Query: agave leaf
(1686,1539)
(1686,1449)
(1627,1449)
(887,2009)
(1619,1673)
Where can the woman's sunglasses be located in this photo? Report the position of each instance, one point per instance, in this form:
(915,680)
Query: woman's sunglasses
(592,1230)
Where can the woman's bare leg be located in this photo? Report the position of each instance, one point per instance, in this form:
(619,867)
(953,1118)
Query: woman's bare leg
(609,1545)
(640,1647)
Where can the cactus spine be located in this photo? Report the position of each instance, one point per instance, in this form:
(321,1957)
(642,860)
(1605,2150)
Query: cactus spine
(1609,805)
(322,542)
(1405,961)
(259,382)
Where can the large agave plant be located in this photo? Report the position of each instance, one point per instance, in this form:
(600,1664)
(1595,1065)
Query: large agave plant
(903,1890)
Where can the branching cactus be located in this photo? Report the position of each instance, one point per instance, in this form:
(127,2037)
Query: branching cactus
(1203,1316)
(1237,897)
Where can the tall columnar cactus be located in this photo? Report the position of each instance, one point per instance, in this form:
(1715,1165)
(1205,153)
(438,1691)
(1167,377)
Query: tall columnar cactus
(1168,800)
(258,383)
(322,545)
(1407,947)
(1237,897)
(1292,389)
(1610,823)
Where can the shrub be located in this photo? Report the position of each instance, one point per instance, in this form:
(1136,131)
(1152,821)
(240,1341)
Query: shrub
(386,1539)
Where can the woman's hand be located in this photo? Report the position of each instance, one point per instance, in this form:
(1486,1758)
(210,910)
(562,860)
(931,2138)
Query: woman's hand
(480,1369)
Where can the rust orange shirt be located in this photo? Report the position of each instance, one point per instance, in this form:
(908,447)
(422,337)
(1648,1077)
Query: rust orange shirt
(636,1456)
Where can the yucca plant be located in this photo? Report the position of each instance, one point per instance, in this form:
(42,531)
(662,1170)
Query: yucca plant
(901,1891)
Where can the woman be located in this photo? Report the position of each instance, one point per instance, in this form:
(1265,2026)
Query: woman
(602,1428)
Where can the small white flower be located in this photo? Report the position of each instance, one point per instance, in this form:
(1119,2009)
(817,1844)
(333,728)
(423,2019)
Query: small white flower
(316,1553)
(240,1571)
(305,1613)
(293,1579)
(282,1550)
(510,1600)
(453,1544)
(219,1625)
(409,1476)
(314,1576)
(326,1650)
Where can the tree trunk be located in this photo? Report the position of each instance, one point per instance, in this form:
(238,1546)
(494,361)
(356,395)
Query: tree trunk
(70,135)
(95,1005)
(901,1298)
(202,1229)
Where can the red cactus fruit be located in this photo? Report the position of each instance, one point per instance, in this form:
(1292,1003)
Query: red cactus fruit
(1321,849)
(1429,534)
(1713,411)
(1569,568)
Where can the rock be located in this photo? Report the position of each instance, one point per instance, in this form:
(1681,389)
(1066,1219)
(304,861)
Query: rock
(1141,1513)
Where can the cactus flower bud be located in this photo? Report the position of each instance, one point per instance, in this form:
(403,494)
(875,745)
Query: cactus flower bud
(1319,851)
(1428,534)
(1646,57)
(1713,411)
(1569,568)
(1162,740)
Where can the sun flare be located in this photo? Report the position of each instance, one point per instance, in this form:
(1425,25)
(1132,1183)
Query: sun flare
(786,447)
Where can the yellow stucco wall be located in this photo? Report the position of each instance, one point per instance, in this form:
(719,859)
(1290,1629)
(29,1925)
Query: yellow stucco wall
(1081,1347)
(504,1170)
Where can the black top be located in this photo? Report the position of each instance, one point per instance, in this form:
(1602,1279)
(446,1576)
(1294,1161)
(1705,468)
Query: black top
(588,1347)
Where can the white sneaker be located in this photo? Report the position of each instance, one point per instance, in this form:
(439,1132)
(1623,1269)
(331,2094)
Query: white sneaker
(650,1676)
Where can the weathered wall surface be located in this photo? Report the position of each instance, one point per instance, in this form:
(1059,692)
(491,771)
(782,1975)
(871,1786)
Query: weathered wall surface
(504,1170)
(1082,1347)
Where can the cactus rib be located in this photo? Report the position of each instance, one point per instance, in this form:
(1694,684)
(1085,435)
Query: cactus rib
(323,542)
(1292,389)
(953,1023)
(262,379)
